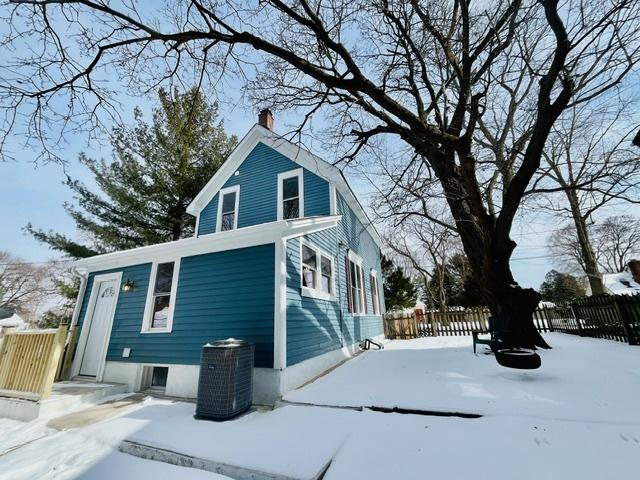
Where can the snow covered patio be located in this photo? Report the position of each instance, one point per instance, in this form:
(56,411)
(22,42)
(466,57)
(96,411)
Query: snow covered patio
(580,379)
(576,417)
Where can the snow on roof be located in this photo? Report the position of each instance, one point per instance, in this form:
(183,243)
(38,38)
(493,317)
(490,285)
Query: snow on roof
(12,321)
(620,283)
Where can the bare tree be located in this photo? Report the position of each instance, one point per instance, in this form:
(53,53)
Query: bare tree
(593,165)
(23,286)
(418,71)
(616,241)
(425,247)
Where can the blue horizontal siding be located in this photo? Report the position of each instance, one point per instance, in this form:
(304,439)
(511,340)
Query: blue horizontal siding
(316,326)
(220,295)
(258,180)
(313,325)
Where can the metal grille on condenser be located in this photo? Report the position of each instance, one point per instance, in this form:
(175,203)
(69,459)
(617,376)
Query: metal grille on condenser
(225,386)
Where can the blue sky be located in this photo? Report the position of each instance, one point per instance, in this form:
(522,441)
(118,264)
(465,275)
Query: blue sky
(35,193)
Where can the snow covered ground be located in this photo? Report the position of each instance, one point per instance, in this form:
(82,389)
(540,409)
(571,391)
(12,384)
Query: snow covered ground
(576,417)
(33,451)
(580,379)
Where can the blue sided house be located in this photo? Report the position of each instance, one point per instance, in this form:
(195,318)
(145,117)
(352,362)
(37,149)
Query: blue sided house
(283,256)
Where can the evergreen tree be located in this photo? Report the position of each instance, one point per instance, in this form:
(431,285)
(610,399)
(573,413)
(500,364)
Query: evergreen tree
(561,288)
(158,169)
(456,282)
(399,289)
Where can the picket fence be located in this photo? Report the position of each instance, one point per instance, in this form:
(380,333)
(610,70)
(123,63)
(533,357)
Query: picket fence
(614,317)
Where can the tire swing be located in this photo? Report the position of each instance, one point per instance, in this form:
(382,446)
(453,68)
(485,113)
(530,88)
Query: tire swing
(511,357)
(519,358)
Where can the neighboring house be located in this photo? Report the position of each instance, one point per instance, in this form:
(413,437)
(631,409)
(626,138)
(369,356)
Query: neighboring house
(619,284)
(623,283)
(284,256)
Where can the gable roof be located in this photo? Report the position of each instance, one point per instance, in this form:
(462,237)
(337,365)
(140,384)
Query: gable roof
(293,152)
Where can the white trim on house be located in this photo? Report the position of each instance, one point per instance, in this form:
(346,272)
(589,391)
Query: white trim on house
(213,242)
(148,306)
(195,232)
(234,189)
(333,200)
(357,260)
(316,292)
(294,153)
(299,174)
(373,274)
(84,333)
(83,287)
(280,306)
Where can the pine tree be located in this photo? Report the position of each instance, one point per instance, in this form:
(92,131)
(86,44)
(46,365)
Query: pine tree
(399,290)
(157,170)
(561,288)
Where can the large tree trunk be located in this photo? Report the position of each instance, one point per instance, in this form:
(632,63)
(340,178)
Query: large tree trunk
(586,250)
(489,249)
(512,306)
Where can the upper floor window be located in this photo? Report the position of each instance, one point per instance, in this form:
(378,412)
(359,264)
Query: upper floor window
(161,297)
(290,195)
(356,296)
(375,293)
(317,273)
(228,209)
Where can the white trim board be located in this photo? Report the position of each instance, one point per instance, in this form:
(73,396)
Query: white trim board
(299,174)
(234,189)
(214,242)
(84,332)
(148,306)
(316,292)
(294,153)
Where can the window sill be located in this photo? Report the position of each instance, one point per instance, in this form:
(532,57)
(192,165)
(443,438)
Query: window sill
(156,330)
(312,293)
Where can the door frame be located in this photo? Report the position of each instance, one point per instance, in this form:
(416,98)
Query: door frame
(88,316)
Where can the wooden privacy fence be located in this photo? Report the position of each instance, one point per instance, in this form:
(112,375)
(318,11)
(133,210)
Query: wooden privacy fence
(615,317)
(29,362)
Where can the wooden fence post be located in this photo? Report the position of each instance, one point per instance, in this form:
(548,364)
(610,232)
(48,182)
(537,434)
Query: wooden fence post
(626,324)
(548,318)
(577,320)
(52,361)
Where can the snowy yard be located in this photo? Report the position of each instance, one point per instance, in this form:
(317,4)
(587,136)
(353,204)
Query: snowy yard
(580,379)
(576,417)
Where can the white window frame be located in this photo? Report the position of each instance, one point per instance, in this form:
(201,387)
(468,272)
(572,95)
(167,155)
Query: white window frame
(148,309)
(357,261)
(235,189)
(316,292)
(299,173)
(373,275)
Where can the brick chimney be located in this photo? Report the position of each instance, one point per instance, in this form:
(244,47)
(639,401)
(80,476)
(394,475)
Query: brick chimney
(265,118)
(634,268)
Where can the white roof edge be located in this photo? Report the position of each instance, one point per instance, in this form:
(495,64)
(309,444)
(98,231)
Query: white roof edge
(295,153)
(214,242)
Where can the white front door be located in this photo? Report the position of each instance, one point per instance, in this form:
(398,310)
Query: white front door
(99,323)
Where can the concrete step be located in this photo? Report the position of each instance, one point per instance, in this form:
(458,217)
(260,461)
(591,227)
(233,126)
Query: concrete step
(66,397)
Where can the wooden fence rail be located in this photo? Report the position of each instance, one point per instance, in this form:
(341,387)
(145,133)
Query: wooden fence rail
(614,317)
(29,362)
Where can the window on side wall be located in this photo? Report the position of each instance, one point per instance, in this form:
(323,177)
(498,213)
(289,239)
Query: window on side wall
(290,195)
(228,209)
(357,302)
(161,297)
(317,272)
(375,293)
